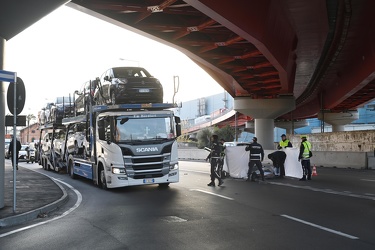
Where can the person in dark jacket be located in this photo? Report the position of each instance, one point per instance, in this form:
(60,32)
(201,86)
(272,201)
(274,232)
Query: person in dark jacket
(256,157)
(278,160)
(10,150)
(214,156)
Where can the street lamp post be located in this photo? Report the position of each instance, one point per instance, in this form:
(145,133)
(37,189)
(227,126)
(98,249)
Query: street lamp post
(175,86)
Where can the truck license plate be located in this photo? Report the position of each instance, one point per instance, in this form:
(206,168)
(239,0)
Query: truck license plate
(148,180)
(144,90)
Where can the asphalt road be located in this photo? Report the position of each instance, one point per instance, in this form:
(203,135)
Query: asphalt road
(333,211)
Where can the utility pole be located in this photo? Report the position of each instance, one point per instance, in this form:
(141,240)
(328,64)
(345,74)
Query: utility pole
(175,86)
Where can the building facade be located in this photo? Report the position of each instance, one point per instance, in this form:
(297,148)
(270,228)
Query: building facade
(30,134)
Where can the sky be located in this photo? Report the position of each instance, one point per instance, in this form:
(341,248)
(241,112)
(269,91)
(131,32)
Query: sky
(63,50)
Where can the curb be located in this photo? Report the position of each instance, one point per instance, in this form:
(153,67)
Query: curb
(33,214)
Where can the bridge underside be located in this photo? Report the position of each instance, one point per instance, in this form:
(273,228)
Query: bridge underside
(320,52)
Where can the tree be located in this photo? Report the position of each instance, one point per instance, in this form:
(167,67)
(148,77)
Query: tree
(203,137)
(226,133)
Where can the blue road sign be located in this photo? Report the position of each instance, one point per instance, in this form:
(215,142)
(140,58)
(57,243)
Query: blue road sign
(7,76)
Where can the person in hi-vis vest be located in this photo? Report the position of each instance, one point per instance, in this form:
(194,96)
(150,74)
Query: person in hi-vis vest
(304,157)
(284,143)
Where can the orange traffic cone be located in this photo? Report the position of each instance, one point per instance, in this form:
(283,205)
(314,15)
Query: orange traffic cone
(314,173)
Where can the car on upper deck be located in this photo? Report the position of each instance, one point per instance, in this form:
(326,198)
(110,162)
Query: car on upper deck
(124,85)
(82,97)
(63,107)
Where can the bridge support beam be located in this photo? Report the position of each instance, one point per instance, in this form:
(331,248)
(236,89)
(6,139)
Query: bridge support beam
(291,125)
(339,120)
(264,111)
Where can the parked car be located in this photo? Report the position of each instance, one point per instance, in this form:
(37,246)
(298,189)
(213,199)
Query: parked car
(59,141)
(45,113)
(77,142)
(235,143)
(63,107)
(23,152)
(128,85)
(46,143)
(6,154)
(82,100)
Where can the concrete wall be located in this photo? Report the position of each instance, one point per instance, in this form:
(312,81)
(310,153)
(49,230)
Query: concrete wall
(347,141)
(349,149)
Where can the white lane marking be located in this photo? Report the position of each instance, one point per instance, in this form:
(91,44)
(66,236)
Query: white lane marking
(76,205)
(172,218)
(218,195)
(367,180)
(195,171)
(328,191)
(321,227)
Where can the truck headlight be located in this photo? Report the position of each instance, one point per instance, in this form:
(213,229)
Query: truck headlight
(118,170)
(173,166)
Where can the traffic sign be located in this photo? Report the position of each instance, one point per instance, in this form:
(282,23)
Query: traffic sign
(7,76)
(20,96)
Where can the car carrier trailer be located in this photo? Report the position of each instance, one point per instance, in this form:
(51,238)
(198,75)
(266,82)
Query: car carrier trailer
(128,144)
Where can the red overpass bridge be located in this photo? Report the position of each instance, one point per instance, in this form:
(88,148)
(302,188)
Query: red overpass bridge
(318,55)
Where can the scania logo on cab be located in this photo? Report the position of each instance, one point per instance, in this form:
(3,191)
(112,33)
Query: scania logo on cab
(147,149)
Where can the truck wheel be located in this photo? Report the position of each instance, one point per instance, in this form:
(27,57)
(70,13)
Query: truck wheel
(43,164)
(102,180)
(113,98)
(71,170)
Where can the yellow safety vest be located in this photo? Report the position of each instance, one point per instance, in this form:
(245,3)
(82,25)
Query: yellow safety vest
(284,144)
(307,146)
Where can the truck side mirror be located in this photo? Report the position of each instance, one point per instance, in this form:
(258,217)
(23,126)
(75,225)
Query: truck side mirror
(101,130)
(108,134)
(178,130)
(177,119)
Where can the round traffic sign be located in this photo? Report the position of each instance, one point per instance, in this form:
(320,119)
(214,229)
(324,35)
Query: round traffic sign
(20,96)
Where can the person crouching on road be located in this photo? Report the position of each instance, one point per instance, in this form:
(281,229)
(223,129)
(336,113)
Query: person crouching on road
(304,157)
(278,160)
(214,156)
(256,157)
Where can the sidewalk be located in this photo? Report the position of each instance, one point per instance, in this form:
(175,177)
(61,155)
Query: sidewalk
(35,194)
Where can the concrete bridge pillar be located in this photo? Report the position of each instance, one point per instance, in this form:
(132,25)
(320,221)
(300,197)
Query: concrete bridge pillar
(339,120)
(264,111)
(2,126)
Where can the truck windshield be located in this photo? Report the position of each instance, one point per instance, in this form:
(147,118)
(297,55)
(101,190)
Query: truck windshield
(130,72)
(61,100)
(143,129)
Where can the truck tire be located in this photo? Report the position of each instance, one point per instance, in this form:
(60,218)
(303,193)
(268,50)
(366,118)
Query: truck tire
(43,160)
(102,180)
(71,170)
